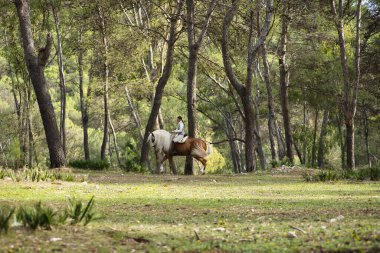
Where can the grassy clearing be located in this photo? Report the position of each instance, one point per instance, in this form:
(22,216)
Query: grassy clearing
(245,213)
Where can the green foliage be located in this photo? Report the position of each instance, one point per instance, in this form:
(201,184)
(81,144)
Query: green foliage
(372,174)
(37,174)
(5,217)
(90,164)
(38,216)
(216,163)
(77,212)
(45,217)
(131,154)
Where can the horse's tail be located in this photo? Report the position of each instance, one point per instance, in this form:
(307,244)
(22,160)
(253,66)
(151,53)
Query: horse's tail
(208,149)
(199,151)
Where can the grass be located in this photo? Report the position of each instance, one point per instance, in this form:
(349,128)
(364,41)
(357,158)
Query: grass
(258,212)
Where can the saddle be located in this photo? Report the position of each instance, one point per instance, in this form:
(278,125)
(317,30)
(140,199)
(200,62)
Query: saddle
(172,151)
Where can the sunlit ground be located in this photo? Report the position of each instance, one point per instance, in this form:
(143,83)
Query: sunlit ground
(255,212)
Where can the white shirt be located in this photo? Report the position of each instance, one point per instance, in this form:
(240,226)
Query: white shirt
(180,128)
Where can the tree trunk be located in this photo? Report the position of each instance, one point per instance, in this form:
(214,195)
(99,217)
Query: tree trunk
(83,100)
(62,85)
(162,81)
(115,142)
(304,125)
(194,45)
(321,145)
(341,141)
(366,135)
(349,90)
(284,82)
(35,65)
(106,85)
(271,113)
(245,92)
(232,144)
(314,147)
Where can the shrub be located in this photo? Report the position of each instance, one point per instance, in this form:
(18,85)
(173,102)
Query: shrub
(90,164)
(132,161)
(335,175)
(38,216)
(37,174)
(5,216)
(77,212)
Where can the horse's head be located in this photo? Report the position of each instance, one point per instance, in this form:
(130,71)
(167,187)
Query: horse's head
(152,139)
(160,140)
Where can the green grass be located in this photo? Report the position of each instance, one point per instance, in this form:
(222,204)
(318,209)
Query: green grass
(245,213)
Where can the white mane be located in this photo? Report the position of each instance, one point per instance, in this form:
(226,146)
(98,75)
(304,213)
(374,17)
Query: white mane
(161,141)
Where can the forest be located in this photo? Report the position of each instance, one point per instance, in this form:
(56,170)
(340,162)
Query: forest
(280,98)
(268,83)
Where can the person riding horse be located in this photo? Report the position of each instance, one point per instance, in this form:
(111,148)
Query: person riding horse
(180,131)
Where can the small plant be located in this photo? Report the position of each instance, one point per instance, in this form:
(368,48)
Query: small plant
(90,164)
(335,175)
(5,216)
(37,174)
(39,216)
(77,212)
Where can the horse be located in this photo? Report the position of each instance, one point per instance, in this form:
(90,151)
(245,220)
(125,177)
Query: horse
(162,142)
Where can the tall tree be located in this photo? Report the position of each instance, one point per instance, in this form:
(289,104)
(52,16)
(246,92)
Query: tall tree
(172,38)
(350,82)
(103,32)
(194,44)
(84,99)
(35,64)
(62,85)
(284,80)
(245,91)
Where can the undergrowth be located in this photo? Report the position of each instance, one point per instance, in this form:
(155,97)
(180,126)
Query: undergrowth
(38,174)
(45,216)
(361,174)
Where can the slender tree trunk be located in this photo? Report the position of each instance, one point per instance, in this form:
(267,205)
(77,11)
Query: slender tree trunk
(366,135)
(194,45)
(232,144)
(304,125)
(106,85)
(162,81)
(314,147)
(322,135)
(271,113)
(350,90)
(83,100)
(341,141)
(284,81)
(115,142)
(35,65)
(62,85)
(245,92)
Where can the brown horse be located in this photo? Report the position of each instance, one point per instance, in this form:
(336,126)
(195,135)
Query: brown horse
(164,147)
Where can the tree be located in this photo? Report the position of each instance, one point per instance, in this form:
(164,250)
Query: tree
(163,79)
(350,82)
(35,64)
(284,81)
(194,44)
(245,91)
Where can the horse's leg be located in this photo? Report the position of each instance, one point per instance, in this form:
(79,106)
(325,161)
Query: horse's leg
(204,162)
(161,158)
(171,165)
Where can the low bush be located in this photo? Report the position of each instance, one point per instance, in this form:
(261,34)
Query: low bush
(5,217)
(90,164)
(360,174)
(37,174)
(77,212)
(40,216)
